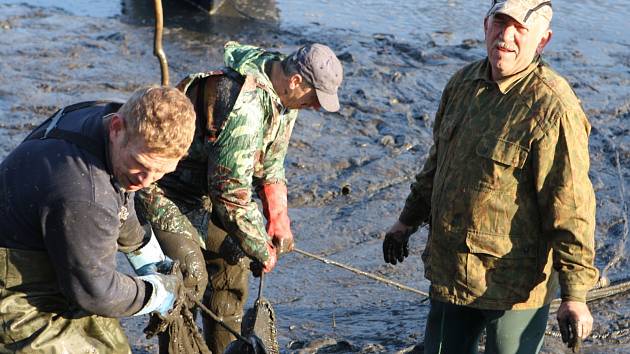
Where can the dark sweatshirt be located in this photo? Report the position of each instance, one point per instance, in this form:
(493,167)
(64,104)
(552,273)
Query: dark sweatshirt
(60,197)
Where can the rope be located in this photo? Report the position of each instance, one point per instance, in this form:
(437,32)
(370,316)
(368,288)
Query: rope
(595,294)
(360,272)
(604,291)
(618,287)
(603,336)
(220,321)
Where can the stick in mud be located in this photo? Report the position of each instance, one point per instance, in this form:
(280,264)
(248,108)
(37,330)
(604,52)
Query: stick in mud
(157,42)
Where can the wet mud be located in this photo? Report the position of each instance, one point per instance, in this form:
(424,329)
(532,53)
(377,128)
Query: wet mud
(348,172)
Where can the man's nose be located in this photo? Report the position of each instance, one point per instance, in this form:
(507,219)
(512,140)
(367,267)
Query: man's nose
(146,178)
(507,33)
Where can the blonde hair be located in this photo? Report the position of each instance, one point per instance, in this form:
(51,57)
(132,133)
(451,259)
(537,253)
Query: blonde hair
(162,118)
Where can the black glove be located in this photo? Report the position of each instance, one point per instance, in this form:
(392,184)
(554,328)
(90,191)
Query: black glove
(256,268)
(396,246)
(191,261)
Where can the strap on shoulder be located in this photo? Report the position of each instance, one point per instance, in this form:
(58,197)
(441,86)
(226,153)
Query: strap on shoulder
(82,141)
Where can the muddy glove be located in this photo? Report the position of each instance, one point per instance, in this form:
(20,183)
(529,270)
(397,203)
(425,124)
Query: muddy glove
(149,259)
(575,322)
(258,267)
(396,243)
(274,201)
(165,288)
(191,262)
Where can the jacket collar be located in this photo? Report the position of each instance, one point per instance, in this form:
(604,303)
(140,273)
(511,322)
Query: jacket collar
(482,72)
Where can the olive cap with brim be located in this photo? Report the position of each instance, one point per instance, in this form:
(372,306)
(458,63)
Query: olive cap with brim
(522,11)
(320,67)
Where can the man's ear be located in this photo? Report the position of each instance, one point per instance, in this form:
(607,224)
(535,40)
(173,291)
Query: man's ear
(116,126)
(295,81)
(546,38)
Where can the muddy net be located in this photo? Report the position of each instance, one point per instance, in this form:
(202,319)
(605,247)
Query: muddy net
(178,332)
(260,322)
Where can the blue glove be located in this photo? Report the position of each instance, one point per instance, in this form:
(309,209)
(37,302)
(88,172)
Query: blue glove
(149,259)
(165,290)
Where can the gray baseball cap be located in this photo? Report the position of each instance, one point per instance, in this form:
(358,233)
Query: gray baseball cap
(522,10)
(320,67)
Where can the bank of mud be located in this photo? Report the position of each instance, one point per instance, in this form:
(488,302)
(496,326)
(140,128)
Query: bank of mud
(348,172)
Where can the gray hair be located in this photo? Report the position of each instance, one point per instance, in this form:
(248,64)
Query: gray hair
(289,66)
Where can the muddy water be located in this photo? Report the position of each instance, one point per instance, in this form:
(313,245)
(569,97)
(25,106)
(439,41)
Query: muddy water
(350,171)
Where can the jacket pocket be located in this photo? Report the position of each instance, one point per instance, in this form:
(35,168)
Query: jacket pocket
(502,151)
(502,246)
(501,268)
(501,162)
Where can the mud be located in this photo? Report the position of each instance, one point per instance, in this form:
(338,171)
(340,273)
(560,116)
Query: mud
(348,172)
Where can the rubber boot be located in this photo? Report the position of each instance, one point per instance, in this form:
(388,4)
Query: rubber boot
(226,295)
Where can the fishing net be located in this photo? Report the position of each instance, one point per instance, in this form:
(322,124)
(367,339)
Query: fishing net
(177,331)
(260,322)
(259,328)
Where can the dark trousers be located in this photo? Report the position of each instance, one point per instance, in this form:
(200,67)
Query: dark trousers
(453,329)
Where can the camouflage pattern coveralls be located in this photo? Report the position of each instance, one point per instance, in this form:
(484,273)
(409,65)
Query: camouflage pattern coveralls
(506,192)
(209,196)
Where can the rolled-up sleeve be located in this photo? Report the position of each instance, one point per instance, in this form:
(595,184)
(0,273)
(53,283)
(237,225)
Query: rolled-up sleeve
(274,156)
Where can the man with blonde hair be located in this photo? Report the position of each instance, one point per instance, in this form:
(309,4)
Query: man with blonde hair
(506,193)
(66,195)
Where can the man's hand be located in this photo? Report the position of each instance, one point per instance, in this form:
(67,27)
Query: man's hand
(157,267)
(257,267)
(271,261)
(149,259)
(576,323)
(395,245)
(165,291)
(274,200)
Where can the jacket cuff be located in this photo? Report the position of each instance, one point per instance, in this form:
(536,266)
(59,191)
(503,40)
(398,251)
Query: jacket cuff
(568,293)
(411,217)
(255,250)
(150,253)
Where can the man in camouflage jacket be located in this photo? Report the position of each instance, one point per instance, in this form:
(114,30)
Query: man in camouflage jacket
(506,193)
(245,115)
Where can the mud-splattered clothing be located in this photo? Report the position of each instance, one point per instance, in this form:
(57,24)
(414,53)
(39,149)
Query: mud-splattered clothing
(506,192)
(62,220)
(240,143)
(245,149)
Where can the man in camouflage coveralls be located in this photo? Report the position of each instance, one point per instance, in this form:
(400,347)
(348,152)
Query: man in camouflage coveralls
(245,115)
(506,193)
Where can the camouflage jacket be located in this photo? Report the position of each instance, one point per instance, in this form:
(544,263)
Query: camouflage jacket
(506,192)
(246,151)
